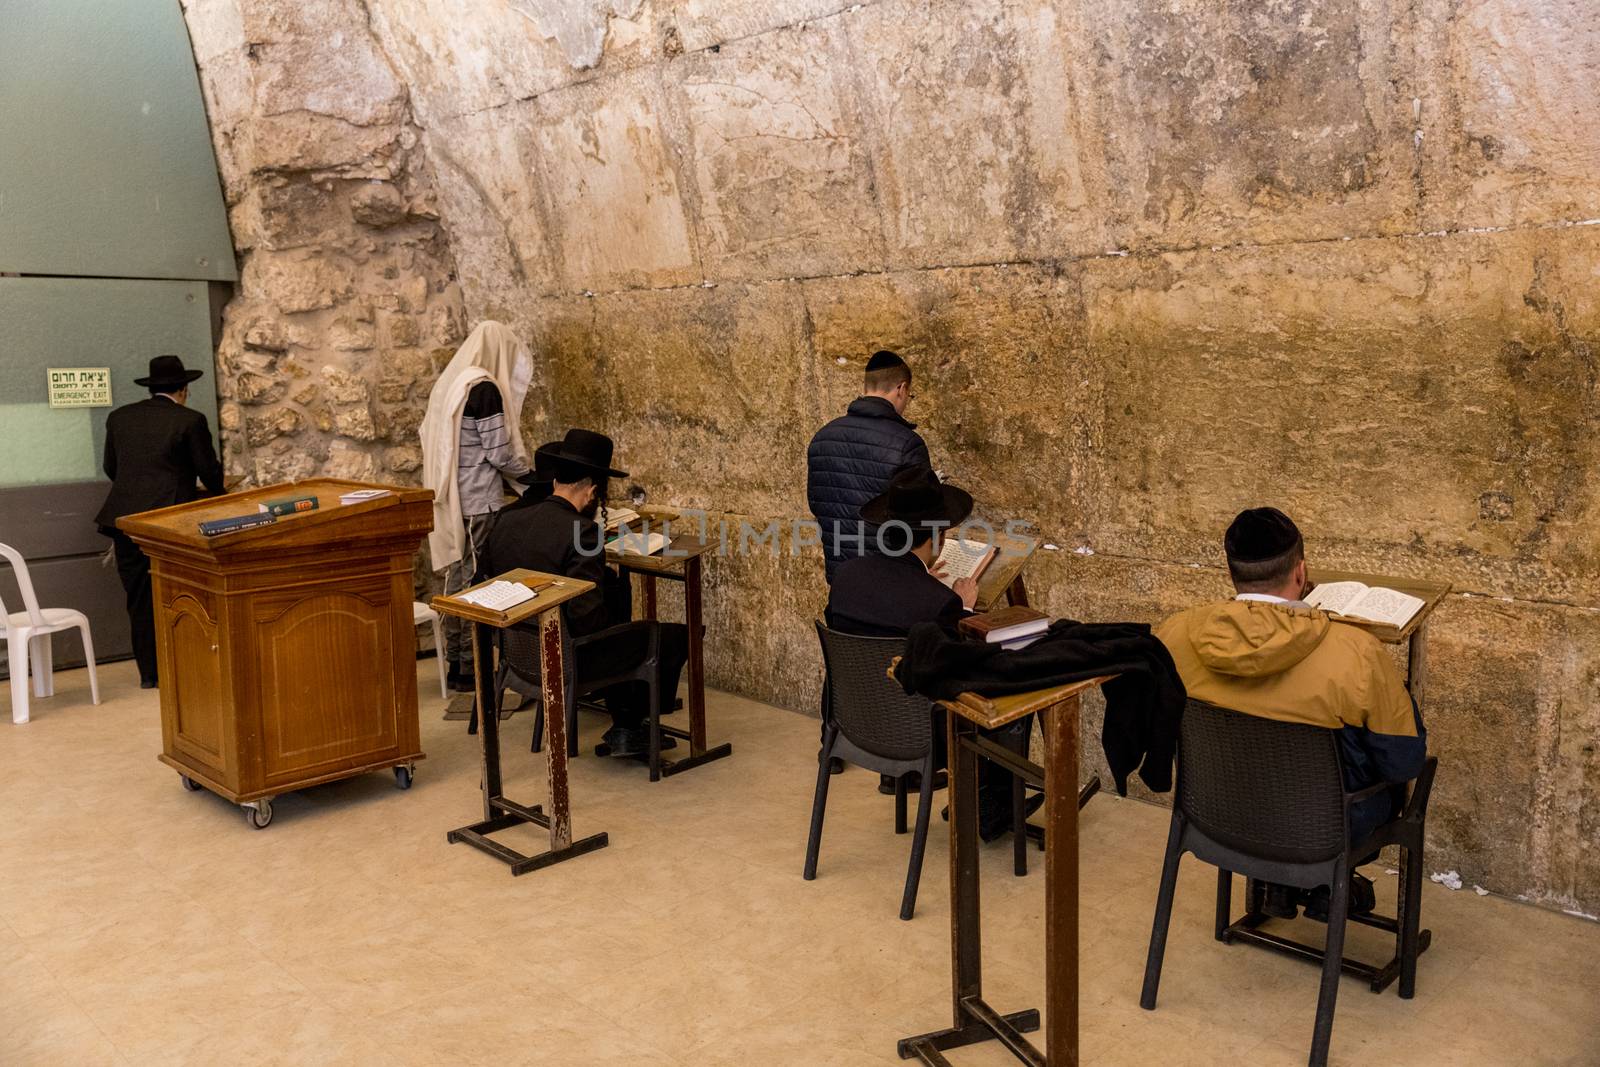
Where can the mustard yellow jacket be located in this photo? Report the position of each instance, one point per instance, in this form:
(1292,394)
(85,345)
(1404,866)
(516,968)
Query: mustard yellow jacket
(1293,663)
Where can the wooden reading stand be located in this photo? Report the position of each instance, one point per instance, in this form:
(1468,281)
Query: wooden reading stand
(285,649)
(1003,576)
(500,813)
(1414,635)
(974,1020)
(678,562)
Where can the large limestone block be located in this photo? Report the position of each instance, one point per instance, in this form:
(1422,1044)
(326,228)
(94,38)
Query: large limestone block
(613,185)
(492,192)
(710,393)
(1003,393)
(699,24)
(1422,406)
(1250,122)
(978,132)
(322,58)
(779,162)
(1511,118)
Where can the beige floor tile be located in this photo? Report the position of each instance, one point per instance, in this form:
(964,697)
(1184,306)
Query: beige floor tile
(143,924)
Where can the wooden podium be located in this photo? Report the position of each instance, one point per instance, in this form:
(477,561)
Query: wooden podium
(285,650)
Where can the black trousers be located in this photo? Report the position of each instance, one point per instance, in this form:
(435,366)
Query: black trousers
(133,567)
(628,702)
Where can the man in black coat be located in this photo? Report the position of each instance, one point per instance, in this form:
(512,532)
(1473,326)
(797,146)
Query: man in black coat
(559,535)
(156,450)
(887,592)
(851,459)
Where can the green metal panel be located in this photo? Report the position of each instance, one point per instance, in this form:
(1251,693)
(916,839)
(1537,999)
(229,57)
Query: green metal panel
(106,167)
(88,322)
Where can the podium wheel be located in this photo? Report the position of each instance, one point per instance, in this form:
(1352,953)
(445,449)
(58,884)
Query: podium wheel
(189,784)
(258,814)
(402,776)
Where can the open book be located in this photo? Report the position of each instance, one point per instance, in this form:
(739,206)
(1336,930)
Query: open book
(616,517)
(963,559)
(1372,603)
(640,542)
(498,596)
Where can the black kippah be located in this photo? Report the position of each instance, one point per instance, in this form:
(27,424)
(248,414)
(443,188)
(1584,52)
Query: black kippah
(1259,534)
(883,359)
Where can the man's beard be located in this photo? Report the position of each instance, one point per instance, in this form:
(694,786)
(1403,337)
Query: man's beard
(592,509)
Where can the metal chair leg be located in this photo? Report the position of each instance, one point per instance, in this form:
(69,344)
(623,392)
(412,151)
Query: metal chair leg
(1410,919)
(1019,828)
(1224,901)
(1333,958)
(919,841)
(653,693)
(819,801)
(900,804)
(1163,916)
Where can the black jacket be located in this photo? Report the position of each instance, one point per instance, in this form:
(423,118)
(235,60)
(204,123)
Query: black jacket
(1144,703)
(156,450)
(546,537)
(850,461)
(885,596)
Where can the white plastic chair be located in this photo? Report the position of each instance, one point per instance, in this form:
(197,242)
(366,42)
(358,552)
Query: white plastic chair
(421,613)
(27,637)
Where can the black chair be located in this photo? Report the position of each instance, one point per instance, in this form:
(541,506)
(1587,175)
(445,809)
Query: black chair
(519,671)
(1266,799)
(872,723)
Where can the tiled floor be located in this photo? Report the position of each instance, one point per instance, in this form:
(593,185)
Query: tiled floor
(142,924)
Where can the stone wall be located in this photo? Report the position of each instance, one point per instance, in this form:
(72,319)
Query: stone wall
(346,303)
(1152,262)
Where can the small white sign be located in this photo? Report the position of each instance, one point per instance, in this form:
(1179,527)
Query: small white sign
(80,387)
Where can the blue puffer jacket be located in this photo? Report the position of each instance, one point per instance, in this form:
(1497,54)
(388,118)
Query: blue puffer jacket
(850,461)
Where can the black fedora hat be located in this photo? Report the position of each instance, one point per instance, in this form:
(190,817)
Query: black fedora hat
(917,496)
(167,372)
(586,449)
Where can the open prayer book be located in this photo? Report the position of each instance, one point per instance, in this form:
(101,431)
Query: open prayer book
(616,517)
(963,559)
(640,542)
(498,596)
(1372,603)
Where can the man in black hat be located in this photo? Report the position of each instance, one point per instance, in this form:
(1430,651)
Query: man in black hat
(156,450)
(852,458)
(1267,652)
(560,535)
(890,589)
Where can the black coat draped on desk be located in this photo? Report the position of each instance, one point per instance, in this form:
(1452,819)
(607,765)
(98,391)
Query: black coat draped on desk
(1144,703)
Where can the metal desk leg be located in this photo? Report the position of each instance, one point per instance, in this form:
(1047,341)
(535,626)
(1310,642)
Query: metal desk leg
(697,655)
(1061,884)
(972,1019)
(1417,664)
(696,736)
(499,812)
(552,668)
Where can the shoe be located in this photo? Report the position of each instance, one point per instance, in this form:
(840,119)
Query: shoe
(1281,901)
(147,683)
(1363,898)
(627,742)
(459,681)
(913,782)
(994,826)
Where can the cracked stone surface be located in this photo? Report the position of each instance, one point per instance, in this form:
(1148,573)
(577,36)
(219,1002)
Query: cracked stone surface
(1151,261)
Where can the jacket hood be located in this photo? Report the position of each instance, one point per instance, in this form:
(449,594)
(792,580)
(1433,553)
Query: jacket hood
(876,407)
(1254,639)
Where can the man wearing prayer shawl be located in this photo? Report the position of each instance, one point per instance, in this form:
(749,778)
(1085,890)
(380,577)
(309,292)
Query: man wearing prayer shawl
(471,444)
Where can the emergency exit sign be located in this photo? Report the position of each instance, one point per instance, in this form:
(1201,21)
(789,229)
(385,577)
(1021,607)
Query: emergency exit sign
(80,387)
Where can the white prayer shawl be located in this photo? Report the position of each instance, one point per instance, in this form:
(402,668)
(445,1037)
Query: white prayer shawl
(491,352)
